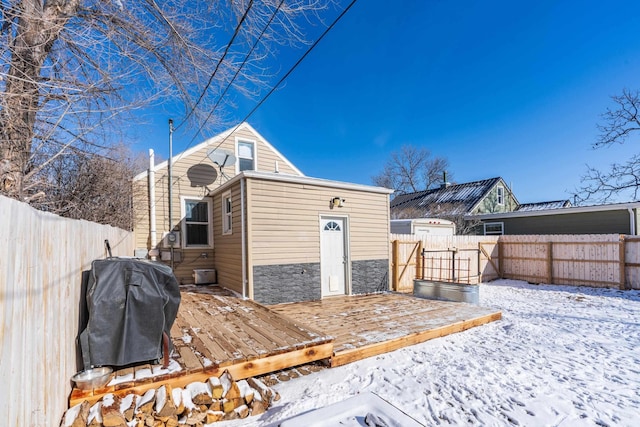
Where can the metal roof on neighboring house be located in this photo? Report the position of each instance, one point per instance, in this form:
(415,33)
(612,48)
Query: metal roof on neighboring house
(462,197)
(542,206)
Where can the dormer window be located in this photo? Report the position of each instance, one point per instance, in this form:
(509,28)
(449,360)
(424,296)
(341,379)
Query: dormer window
(246,156)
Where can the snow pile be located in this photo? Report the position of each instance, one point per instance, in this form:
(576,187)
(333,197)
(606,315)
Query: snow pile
(562,356)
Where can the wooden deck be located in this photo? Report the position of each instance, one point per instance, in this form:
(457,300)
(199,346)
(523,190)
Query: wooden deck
(216,331)
(368,325)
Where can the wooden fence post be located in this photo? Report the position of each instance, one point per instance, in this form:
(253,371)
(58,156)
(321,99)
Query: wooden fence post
(395,255)
(622,257)
(550,263)
(419,266)
(500,256)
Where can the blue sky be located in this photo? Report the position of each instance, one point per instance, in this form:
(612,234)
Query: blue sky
(500,88)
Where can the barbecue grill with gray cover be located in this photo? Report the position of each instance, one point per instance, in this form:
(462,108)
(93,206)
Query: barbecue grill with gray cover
(130,303)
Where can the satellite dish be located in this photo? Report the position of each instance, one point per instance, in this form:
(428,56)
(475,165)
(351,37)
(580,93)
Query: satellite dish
(222,158)
(202,175)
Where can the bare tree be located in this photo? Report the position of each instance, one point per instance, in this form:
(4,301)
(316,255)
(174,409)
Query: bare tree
(71,71)
(92,187)
(412,169)
(623,179)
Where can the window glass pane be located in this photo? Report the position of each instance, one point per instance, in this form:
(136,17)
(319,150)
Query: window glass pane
(226,219)
(332,226)
(245,150)
(197,234)
(500,195)
(493,228)
(246,165)
(197,211)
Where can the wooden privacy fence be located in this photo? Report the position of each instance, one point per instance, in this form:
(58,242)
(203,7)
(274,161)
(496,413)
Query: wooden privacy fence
(42,257)
(608,260)
(591,260)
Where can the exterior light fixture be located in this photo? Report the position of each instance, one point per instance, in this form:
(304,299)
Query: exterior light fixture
(337,202)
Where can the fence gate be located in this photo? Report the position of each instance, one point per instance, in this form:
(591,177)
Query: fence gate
(405,264)
(489,260)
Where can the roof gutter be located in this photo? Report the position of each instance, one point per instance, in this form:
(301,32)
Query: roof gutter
(303,180)
(632,221)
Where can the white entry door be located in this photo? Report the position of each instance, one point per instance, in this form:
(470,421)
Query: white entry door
(333,260)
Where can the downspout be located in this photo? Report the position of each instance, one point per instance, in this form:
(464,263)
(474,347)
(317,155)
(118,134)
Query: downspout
(169,174)
(152,202)
(170,195)
(632,221)
(243,238)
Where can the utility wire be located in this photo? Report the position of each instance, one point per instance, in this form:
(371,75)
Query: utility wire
(288,72)
(246,58)
(226,50)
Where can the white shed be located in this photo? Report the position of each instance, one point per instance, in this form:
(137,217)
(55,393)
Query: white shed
(423,227)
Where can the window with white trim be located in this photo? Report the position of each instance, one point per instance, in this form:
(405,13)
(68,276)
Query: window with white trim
(196,227)
(500,195)
(246,156)
(227,212)
(493,228)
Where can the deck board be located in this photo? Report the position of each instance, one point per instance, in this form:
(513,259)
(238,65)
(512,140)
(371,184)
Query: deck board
(367,325)
(215,330)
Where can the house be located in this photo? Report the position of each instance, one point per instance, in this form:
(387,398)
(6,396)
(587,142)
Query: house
(242,209)
(456,200)
(562,218)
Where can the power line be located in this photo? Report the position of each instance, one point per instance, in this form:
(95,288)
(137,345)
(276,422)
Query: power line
(246,58)
(226,50)
(299,61)
(288,72)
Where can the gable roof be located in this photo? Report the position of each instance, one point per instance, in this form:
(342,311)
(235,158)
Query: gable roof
(214,140)
(541,206)
(465,196)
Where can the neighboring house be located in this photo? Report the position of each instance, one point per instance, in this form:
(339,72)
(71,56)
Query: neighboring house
(619,218)
(269,232)
(452,200)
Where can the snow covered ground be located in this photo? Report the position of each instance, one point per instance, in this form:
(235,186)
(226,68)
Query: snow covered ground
(560,356)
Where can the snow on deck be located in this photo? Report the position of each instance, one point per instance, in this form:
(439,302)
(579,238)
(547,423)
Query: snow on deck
(561,355)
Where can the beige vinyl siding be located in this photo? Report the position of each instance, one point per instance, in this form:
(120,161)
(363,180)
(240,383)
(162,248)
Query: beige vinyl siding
(285,221)
(182,185)
(229,246)
(141,214)
(191,258)
(267,157)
